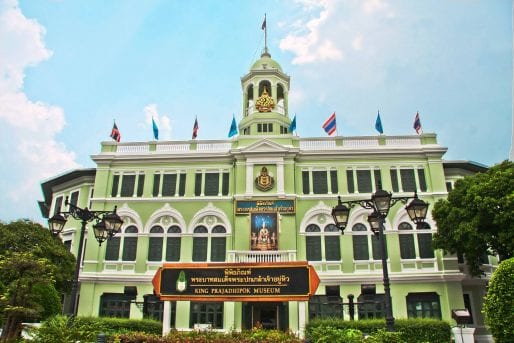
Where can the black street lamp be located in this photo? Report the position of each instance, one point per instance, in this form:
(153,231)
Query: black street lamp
(108,223)
(381,202)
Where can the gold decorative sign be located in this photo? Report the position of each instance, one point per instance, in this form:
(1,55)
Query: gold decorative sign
(265,206)
(264,182)
(236,282)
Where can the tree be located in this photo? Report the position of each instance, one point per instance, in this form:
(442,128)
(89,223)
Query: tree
(477,217)
(499,303)
(34,268)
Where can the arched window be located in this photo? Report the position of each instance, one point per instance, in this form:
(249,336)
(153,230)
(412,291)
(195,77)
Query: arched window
(218,244)
(265,84)
(421,247)
(200,241)
(364,241)
(213,242)
(313,242)
(332,243)
(129,244)
(173,240)
(322,245)
(127,241)
(155,243)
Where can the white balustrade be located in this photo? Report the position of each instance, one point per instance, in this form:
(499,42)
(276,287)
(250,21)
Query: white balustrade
(132,148)
(254,256)
(318,145)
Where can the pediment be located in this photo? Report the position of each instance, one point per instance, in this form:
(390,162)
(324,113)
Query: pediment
(265,146)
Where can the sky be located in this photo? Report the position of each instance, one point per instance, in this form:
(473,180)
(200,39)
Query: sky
(68,69)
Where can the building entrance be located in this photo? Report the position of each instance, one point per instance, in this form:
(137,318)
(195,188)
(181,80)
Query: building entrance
(267,315)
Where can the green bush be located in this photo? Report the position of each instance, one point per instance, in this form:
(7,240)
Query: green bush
(412,330)
(499,303)
(253,336)
(64,329)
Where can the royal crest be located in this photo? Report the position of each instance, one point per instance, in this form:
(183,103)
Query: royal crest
(264,181)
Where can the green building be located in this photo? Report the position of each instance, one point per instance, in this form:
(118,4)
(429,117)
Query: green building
(206,201)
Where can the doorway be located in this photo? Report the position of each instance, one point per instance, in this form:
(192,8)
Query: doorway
(265,315)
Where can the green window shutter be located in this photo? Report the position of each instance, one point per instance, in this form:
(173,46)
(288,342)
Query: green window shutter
(225,184)
(425,245)
(364,181)
(313,248)
(218,249)
(332,248)
(349,180)
(74,198)
(394,180)
(155,249)
(360,247)
(127,185)
(333,181)
(169,183)
(173,249)
(129,249)
(422,180)
(58,205)
(113,249)
(378,179)
(408,180)
(305,182)
(407,250)
(182,185)
(156,182)
(375,246)
(199,249)
(212,184)
(115,183)
(319,182)
(140,185)
(198,184)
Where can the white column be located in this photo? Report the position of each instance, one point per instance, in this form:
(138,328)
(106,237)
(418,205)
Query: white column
(249,178)
(280,178)
(463,335)
(166,317)
(301,318)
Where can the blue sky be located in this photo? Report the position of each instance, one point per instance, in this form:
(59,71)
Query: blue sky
(69,68)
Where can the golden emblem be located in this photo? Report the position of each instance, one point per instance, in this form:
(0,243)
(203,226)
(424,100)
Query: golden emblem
(265,103)
(264,181)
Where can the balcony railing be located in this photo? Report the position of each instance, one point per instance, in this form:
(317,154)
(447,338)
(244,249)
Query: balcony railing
(252,256)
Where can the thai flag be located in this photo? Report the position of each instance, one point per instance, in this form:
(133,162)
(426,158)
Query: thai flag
(417,123)
(115,133)
(195,129)
(330,124)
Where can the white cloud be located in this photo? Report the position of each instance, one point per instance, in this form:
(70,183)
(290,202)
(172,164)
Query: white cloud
(306,42)
(163,121)
(357,42)
(33,153)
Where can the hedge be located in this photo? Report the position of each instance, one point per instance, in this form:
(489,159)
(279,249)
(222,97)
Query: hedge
(86,329)
(412,330)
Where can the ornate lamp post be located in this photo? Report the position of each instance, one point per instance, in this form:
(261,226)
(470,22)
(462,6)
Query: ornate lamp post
(108,223)
(380,203)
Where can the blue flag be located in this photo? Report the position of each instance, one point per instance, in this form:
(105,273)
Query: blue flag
(292,127)
(378,124)
(155,130)
(233,128)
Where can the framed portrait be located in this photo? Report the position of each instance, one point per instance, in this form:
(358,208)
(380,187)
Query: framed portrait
(264,232)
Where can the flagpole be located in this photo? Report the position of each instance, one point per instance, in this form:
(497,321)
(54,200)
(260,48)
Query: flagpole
(265,34)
